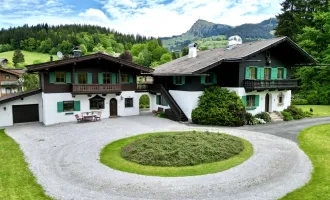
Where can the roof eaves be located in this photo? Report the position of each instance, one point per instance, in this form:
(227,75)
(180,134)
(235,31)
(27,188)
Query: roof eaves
(16,96)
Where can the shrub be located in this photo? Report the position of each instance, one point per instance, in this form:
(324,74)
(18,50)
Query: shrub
(287,116)
(296,113)
(161,114)
(263,115)
(144,101)
(297,101)
(308,114)
(250,120)
(219,106)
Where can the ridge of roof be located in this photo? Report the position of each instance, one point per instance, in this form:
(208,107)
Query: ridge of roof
(19,95)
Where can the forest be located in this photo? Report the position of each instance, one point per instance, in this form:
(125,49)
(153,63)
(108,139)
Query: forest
(147,51)
(307,22)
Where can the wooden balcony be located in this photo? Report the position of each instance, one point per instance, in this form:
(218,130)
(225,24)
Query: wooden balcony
(251,85)
(96,88)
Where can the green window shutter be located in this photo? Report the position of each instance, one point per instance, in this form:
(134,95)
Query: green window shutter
(285,73)
(131,80)
(89,78)
(183,80)
(262,73)
(51,77)
(203,79)
(60,107)
(247,73)
(113,78)
(76,78)
(214,78)
(244,100)
(158,100)
(100,78)
(174,80)
(68,77)
(165,102)
(258,73)
(274,74)
(257,97)
(76,105)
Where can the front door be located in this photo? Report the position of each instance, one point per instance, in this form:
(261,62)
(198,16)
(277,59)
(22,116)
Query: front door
(267,103)
(113,107)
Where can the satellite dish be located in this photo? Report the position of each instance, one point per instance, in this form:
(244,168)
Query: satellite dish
(233,41)
(60,55)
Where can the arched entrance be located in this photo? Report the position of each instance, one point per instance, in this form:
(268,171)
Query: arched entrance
(113,107)
(267,103)
(144,104)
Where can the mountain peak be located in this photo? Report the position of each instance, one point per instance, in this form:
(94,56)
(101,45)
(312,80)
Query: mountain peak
(203,28)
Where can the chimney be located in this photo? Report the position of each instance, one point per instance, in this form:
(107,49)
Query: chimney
(51,58)
(192,50)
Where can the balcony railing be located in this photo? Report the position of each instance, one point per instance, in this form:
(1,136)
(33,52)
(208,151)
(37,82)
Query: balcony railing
(251,85)
(9,83)
(96,88)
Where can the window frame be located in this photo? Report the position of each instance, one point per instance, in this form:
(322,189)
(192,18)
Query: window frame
(65,103)
(55,77)
(96,103)
(250,99)
(122,76)
(255,73)
(107,77)
(162,101)
(278,73)
(78,77)
(270,73)
(130,103)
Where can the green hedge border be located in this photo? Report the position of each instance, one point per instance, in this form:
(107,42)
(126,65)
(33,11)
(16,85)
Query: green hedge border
(110,156)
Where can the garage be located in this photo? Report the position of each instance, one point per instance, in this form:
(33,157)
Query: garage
(25,113)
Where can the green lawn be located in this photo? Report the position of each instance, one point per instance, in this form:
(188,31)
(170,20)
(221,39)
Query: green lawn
(315,142)
(16,180)
(318,111)
(28,56)
(111,156)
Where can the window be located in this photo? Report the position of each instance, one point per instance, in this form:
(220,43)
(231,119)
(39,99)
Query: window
(82,78)
(251,101)
(280,73)
(96,103)
(68,106)
(178,80)
(7,77)
(107,78)
(253,73)
(128,102)
(161,101)
(59,77)
(267,74)
(124,78)
(281,98)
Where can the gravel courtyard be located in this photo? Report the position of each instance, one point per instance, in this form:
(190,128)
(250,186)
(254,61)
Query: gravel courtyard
(65,160)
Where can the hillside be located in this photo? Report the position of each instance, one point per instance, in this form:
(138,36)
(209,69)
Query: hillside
(29,57)
(203,29)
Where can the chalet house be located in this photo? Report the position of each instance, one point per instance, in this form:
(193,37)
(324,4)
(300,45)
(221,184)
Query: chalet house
(9,81)
(259,72)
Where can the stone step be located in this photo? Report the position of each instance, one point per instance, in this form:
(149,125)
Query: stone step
(275,117)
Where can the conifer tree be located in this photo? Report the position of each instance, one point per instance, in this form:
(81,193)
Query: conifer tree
(18,57)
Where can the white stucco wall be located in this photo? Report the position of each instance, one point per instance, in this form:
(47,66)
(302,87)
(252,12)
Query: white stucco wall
(186,100)
(51,116)
(6,116)
(273,96)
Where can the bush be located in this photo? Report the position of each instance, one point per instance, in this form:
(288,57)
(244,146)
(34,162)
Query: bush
(296,113)
(219,106)
(296,101)
(263,115)
(250,120)
(308,114)
(287,116)
(161,114)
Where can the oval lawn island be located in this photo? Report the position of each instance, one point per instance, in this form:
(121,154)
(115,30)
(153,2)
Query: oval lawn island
(174,154)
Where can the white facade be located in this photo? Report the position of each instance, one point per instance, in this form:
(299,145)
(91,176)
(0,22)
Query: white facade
(52,116)
(6,109)
(189,100)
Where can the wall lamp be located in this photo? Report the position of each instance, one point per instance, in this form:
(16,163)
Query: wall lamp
(4,108)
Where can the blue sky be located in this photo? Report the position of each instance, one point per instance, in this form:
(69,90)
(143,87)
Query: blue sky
(147,17)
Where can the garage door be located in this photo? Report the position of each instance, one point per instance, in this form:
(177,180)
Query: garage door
(26,113)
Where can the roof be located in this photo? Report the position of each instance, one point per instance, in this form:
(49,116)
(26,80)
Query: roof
(47,65)
(16,72)
(2,59)
(209,58)
(19,95)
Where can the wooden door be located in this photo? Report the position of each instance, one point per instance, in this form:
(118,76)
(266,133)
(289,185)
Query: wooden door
(113,107)
(267,103)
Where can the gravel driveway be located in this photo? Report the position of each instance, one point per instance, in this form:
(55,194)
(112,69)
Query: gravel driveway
(65,160)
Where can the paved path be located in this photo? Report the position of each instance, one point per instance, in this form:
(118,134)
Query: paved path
(289,130)
(65,160)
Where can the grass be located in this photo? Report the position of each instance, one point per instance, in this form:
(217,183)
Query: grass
(318,110)
(315,142)
(111,156)
(28,56)
(16,180)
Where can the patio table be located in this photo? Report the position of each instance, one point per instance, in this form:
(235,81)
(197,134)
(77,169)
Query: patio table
(88,116)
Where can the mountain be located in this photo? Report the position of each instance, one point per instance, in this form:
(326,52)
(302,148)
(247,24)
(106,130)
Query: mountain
(202,30)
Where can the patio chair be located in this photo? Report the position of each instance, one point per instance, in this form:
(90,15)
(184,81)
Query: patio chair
(98,116)
(79,119)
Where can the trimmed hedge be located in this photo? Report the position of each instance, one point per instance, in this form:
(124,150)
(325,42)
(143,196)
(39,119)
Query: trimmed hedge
(297,113)
(219,106)
(287,116)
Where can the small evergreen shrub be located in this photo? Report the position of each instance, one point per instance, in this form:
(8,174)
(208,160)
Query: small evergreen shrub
(250,120)
(308,114)
(263,115)
(161,114)
(287,116)
(298,101)
(296,113)
(219,106)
